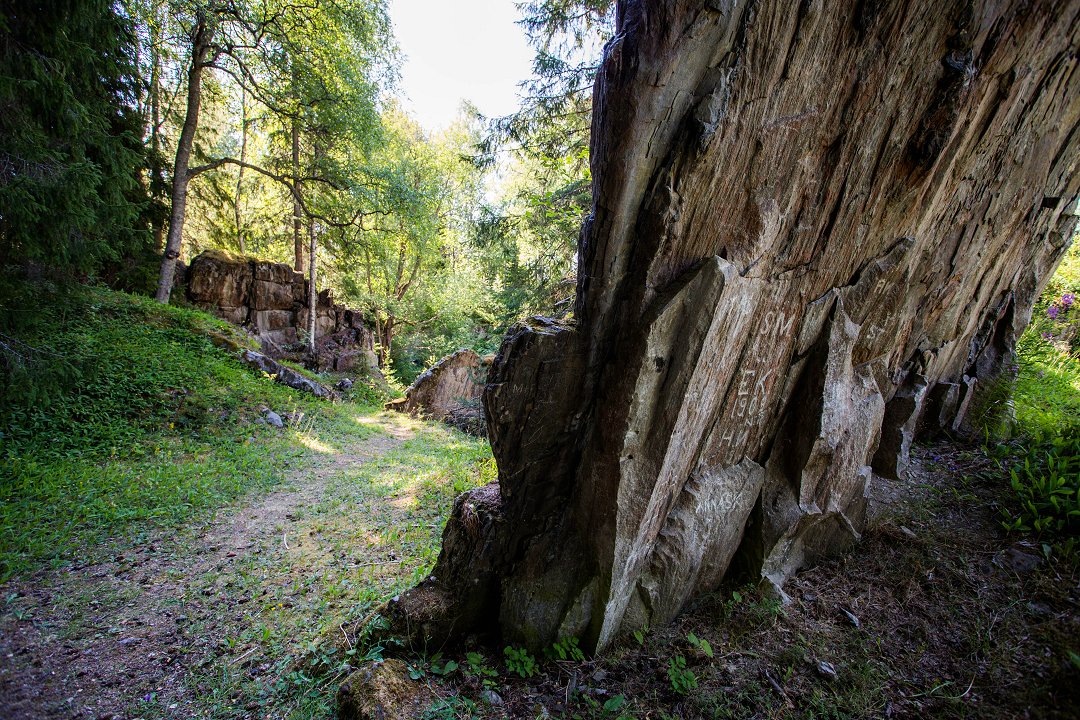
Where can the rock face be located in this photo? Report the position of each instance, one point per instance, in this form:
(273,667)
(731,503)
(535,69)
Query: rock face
(449,391)
(285,375)
(816,228)
(269,299)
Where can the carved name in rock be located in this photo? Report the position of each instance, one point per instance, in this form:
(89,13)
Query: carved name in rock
(270,300)
(816,229)
(450,391)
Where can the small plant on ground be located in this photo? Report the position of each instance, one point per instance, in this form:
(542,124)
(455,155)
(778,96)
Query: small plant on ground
(451,708)
(520,662)
(477,667)
(1042,465)
(700,644)
(682,678)
(615,704)
(436,666)
(565,649)
(1046,480)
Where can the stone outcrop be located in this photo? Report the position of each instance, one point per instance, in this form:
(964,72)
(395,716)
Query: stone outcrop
(817,228)
(449,391)
(285,374)
(270,300)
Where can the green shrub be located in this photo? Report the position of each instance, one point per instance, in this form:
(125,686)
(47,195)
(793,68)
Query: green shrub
(1056,316)
(519,661)
(682,678)
(1044,463)
(1046,479)
(97,369)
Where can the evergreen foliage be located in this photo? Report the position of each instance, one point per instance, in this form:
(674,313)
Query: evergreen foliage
(70,146)
(536,225)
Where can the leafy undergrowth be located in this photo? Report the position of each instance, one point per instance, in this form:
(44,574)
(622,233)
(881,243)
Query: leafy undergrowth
(937,613)
(128,580)
(120,416)
(1040,454)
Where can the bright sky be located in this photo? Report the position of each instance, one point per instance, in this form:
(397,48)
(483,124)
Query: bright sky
(459,50)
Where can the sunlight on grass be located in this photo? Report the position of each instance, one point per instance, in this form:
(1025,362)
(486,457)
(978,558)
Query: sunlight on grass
(313,443)
(386,421)
(407,501)
(375,531)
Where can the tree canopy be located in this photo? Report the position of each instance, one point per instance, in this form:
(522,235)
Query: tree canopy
(270,128)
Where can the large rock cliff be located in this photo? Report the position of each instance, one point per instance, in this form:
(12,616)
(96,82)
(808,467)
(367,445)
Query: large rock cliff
(816,227)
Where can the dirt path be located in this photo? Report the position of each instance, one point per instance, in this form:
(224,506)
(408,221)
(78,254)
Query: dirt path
(119,639)
(936,613)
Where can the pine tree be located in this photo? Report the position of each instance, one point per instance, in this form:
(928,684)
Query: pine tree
(70,149)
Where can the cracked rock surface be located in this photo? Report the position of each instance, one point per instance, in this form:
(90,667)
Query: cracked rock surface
(816,230)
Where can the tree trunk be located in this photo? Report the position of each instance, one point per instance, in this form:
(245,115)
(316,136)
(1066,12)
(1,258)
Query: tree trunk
(157,173)
(386,340)
(201,37)
(237,211)
(814,228)
(313,290)
(297,208)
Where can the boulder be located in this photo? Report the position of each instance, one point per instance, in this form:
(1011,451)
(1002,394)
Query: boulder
(325,321)
(353,319)
(278,343)
(265,321)
(449,391)
(234,315)
(365,360)
(269,295)
(218,279)
(381,691)
(269,299)
(285,375)
(805,218)
(274,273)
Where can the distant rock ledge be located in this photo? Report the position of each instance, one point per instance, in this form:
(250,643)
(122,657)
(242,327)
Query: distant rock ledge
(268,299)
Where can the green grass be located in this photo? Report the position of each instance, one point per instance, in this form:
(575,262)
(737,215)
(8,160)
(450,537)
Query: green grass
(376,532)
(125,427)
(1046,394)
(120,416)
(1043,463)
(1047,387)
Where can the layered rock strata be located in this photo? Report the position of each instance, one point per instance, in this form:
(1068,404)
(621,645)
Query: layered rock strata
(270,300)
(817,229)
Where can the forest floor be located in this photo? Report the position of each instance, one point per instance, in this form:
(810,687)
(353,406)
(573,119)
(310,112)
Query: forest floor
(209,622)
(937,613)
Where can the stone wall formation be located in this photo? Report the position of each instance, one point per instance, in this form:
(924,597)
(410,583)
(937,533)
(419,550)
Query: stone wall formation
(817,230)
(270,300)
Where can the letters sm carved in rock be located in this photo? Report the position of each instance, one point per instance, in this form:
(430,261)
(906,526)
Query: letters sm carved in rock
(815,225)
